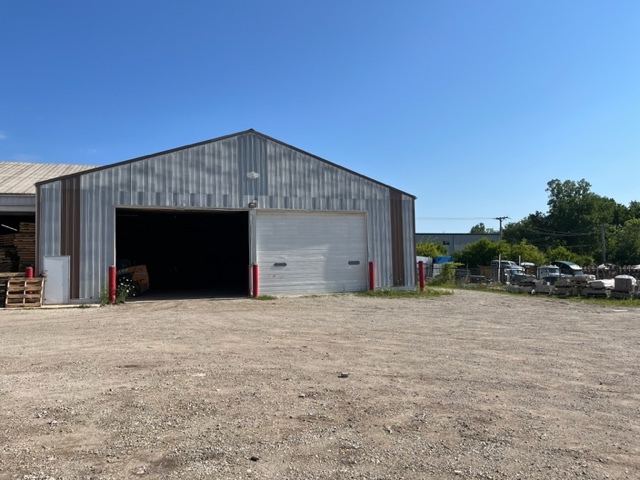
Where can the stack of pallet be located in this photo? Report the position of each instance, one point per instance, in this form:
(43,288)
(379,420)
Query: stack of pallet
(25,242)
(8,253)
(4,279)
(24,292)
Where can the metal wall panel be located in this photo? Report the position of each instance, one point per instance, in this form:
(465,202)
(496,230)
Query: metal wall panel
(409,217)
(17,203)
(311,252)
(213,175)
(397,238)
(70,229)
(48,216)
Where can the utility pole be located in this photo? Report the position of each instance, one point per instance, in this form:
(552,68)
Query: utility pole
(604,246)
(500,219)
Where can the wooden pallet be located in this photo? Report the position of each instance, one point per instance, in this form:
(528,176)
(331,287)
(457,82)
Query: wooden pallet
(24,292)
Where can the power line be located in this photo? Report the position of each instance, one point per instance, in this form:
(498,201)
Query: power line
(455,218)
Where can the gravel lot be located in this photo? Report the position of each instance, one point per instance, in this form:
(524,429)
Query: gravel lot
(469,385)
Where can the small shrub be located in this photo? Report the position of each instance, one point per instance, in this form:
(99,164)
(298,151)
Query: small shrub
(264,297)
(398,293)
(124,290)
(104,296)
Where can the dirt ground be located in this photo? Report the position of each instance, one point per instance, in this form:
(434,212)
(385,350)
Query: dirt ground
(469,385)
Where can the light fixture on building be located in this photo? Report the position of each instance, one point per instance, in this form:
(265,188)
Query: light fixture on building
(253,176)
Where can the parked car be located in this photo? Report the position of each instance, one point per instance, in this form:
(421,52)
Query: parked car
(568,268)
(549,274)
(504,270)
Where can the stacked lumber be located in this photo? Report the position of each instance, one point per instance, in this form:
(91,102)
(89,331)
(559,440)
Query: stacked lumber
(8,253)
(25,243)
(24,292)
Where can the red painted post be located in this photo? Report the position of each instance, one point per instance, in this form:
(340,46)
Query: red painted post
(372,277)
(421,274)
(112,283)
(28,272)
(255,279)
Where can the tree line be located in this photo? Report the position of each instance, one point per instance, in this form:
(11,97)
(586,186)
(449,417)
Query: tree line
(579,225)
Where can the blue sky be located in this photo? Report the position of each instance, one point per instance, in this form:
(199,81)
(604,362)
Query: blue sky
(472,106)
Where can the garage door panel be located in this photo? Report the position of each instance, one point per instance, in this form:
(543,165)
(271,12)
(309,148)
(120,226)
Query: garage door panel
(304,252)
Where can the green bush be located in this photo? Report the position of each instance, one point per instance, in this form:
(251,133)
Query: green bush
(104,296)
(447,274)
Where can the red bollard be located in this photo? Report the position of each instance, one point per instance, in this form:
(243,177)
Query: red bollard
(28,272)
(372,277)
(255,279)
(112,284)
(421,274)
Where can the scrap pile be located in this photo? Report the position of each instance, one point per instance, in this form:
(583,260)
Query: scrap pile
(572,286)
(625,286)
(599,288)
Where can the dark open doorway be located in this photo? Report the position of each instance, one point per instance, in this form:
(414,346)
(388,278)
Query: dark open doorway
(17,241)
(199,252)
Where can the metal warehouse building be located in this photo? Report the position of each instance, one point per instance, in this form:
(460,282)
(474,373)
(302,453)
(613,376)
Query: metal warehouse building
(199,216)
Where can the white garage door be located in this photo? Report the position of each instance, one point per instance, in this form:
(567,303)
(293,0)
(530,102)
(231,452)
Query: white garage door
(311,252)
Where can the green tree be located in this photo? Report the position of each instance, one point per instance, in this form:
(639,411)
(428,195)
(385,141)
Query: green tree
(534,228)
(430,249)
(634,209)
(525,252)
(574,219)
(480,229)
(576,215)
(480,253)
(562,253)
(624,243)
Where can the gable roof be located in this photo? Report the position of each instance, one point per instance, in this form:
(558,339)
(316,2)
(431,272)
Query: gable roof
(19,178)
(217,139)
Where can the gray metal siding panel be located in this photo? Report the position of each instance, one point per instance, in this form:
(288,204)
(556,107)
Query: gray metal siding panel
(97,233)
(379,238)
(49,220)
(70,230)
(17,201)
(408,219)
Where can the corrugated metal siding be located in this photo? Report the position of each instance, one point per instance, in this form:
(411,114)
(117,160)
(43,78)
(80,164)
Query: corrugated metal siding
(17,203)
(409,217)
(214,175)
(70,229)
(97,232)
(18,200)
(397,238)
(311,252)
(48,218)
